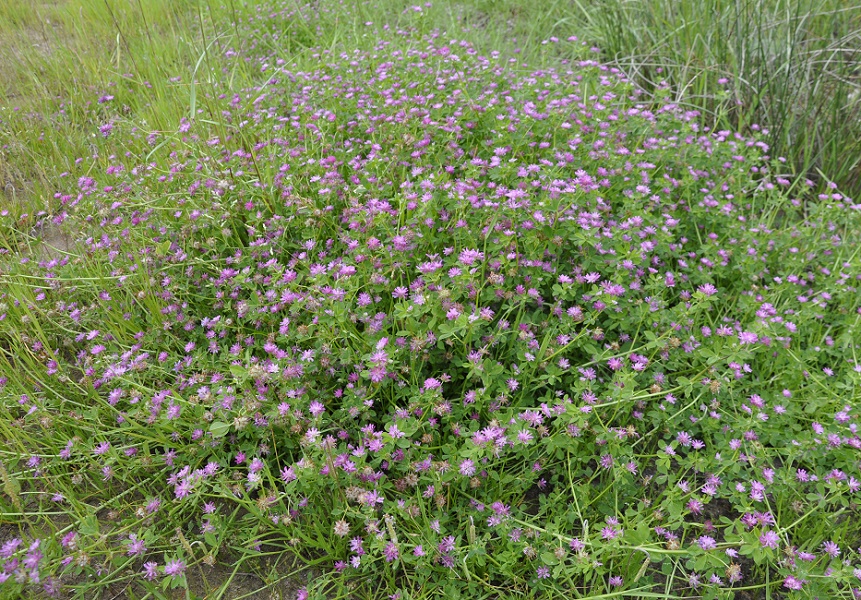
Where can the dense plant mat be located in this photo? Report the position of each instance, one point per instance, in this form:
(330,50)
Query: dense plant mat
(438,323)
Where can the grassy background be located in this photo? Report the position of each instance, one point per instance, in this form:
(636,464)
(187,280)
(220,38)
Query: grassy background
(791,66)
(64,54)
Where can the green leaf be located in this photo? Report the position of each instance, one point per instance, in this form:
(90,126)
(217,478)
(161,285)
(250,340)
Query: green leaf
(119,561)
(219,429)
(12,487)
(674,509)
(89,525)
(640,535)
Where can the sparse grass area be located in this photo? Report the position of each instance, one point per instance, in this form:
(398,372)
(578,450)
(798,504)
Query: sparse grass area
(395,301)
(68,54)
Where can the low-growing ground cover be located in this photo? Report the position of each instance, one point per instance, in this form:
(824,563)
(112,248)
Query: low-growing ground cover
(436,321)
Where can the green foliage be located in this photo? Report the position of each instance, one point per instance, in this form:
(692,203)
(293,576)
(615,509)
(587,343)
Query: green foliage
(437,322)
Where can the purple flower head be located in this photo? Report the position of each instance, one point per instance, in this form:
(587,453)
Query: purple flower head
(431,383)
(9,548)
(707,542)
(467,468)
(150,570)
(769,539)
(357,546)
(831,549)
(135,546)
(747,337)
(469,257)
(174,568)
(446,545)
(390,552)
(793,583)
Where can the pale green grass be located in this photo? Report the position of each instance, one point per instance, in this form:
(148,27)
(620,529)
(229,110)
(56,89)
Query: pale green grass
(67,55)
(793,66)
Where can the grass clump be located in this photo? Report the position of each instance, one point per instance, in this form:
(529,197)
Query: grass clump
(432,320)
(793,65)
(790,65)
